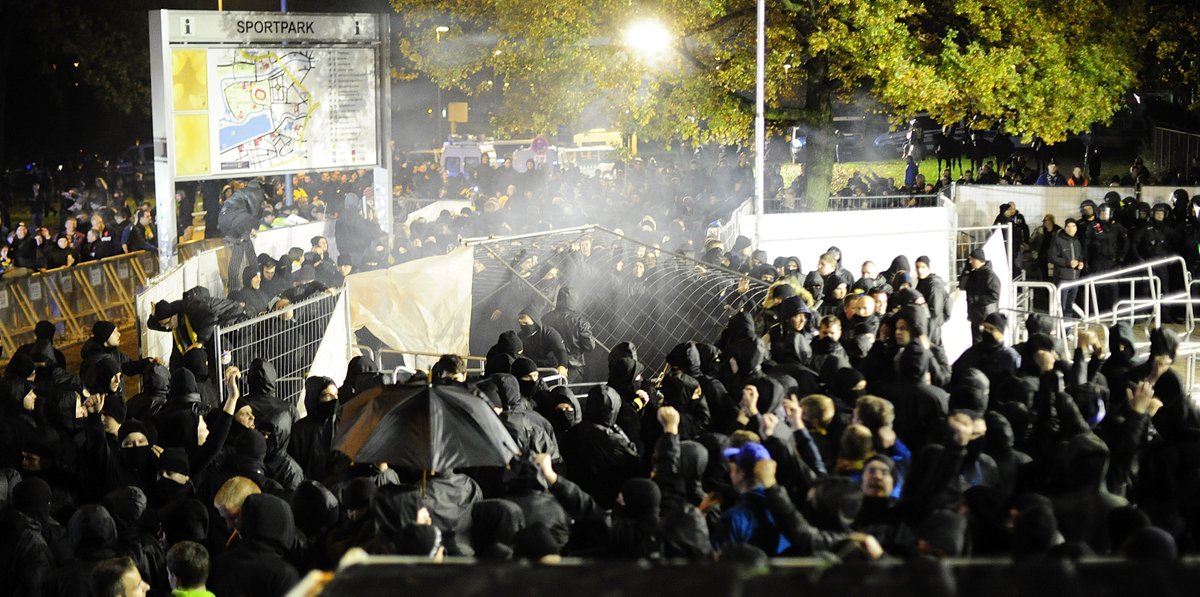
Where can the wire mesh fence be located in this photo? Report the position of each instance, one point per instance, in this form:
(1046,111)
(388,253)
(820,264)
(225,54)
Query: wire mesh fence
(288,338)
(628,290)
(1176,152)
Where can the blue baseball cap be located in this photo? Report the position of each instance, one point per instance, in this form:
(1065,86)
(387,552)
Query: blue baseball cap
(747,455)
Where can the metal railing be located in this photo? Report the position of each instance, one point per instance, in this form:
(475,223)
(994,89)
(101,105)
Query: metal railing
(289,338)
(73,298)
(1153,283)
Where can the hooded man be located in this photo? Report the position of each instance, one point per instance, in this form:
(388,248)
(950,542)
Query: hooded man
(544,345)
(532,433)
(603,455)
(311,443)
(920,406)
(575,330)
(256,565)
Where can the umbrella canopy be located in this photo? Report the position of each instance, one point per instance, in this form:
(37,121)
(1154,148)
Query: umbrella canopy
(423,427)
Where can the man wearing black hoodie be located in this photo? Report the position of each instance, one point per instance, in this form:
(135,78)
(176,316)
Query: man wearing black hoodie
(603,455)
(275,418)
(920,406)
(542,343)
(312,437)
(574,328)
(256,565)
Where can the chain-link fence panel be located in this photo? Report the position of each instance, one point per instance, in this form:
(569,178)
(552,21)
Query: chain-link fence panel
(628,290)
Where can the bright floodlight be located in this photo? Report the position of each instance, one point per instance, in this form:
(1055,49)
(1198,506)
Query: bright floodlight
(649,37)
(442,29)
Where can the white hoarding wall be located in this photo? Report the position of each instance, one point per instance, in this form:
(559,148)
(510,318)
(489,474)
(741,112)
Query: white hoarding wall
(978,205)
(276,241)
(870,235)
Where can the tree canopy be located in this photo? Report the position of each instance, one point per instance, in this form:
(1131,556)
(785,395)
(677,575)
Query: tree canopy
(1045,68)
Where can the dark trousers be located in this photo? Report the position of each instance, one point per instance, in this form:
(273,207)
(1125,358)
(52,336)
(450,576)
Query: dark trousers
(241,256)
(1067,297)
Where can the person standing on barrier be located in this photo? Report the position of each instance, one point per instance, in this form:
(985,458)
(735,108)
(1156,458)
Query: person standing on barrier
(240,216)
(983,291)
(1066,263)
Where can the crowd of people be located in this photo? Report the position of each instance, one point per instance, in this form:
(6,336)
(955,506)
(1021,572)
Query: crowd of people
(825,418)
(809,424)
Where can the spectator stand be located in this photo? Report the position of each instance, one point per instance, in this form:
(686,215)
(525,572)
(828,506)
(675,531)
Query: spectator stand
(311,337)
(73,298)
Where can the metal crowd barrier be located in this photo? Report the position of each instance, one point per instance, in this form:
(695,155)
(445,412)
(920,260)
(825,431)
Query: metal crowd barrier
(287,338)
(73,298)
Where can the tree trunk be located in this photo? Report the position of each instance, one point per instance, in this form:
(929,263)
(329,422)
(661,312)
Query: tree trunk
(818,167)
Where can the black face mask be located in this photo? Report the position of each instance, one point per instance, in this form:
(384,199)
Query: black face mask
(527,330)
(989,341)
(166,490)
(528,387)
(135,458)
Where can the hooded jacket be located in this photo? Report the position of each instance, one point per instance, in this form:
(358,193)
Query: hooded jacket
(128,507)
(361,375)
(532,433)
(256,301)
(501,355)
(256,565)
(920,406)
(572,326)
(156,383)
(276,417)
(1082,511)
(311,444)
(604,456)
(543,344)
(94,535)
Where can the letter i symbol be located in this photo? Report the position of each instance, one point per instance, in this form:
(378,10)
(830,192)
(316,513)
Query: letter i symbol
(357,28)
(187,26)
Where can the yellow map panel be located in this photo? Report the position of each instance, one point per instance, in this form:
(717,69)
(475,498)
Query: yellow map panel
(190,77)
(192,156)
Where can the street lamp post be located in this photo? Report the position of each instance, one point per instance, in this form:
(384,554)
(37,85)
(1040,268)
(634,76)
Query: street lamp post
(759,120)
(439,30)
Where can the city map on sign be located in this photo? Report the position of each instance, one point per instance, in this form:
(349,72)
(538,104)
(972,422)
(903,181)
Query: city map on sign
(279,108)
(265,108)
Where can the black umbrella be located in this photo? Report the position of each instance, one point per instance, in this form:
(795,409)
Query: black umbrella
(423,427)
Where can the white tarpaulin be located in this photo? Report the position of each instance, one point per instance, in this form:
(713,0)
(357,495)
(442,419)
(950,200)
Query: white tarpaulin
(333,354)
(419,306)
